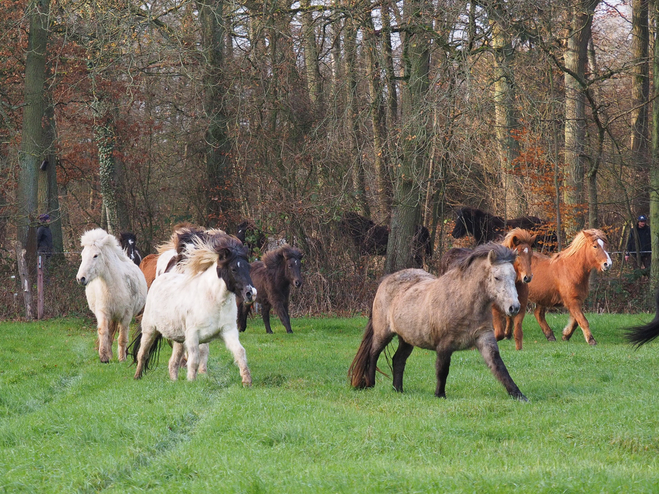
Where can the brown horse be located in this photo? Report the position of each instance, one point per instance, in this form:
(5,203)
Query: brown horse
(273,278)
(148,267)
(562,280)
(521,242)
(445,314)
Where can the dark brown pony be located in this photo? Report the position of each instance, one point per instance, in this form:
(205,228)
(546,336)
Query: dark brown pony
(521,242)
(273,277)
(562,280)
(371,239)
(445,314)
(486,227)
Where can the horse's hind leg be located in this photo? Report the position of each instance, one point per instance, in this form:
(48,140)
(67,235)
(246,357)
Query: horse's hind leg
(175,360)
(122,340)
(399,361)
(489,349)
(192,347)
(265,311)
(539,314)
(577,316)
(149,335)
(284,317)
(204,350)
(232,343)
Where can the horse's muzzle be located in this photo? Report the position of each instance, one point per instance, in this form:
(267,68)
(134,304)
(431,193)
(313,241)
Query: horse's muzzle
(527,279)
(82,281)
(297,283)
(513,310)
(250,294)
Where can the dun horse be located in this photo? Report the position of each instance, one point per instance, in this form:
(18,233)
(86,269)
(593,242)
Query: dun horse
(197,305)
(115,289)
(562,280)
(273,278)
(521,242)
(445,314)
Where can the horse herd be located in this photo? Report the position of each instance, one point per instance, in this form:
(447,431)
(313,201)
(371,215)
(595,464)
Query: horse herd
(201,286)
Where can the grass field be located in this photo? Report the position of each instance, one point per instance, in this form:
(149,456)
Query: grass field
(71,424)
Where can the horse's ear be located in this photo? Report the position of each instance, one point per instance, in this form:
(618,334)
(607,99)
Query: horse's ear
(223,254)
(492,256)
(533,239)
(515,241)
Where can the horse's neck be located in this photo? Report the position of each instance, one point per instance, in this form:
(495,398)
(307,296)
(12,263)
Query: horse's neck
(112,273)
(214,285)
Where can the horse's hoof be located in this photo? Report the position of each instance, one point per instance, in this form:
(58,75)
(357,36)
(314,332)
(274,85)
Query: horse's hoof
(522,398)
(269,332)
(105,361)
(551,337)
(289,331)
(591,341)
(566,337)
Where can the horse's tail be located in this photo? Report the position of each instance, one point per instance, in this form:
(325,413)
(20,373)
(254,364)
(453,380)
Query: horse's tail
(640,335)
(358,371)
(154,352)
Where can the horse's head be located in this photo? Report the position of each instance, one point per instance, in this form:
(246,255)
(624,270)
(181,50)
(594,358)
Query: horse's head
(293,265)
(596,244)
(94,254)
(521,242)
(234,269)
(501,278)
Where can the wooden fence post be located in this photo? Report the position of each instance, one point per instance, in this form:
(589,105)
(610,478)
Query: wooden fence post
(40,286)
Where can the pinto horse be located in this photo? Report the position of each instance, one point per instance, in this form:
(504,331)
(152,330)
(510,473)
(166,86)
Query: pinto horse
(521,242)
(128,242)
(445,314)
(562,280)
(197,305)
(486,227)
(372,239)
(115,289)
(273,278)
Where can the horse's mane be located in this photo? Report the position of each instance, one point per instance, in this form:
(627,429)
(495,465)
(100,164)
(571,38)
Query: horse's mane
(204,251)
(523,237)
(580,241)
(184,232)
(274,257)
(503,254)
(103,240)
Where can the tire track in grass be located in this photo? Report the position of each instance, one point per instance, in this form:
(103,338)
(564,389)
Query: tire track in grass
(178,432)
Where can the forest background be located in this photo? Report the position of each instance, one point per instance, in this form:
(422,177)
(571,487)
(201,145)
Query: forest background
(135,116)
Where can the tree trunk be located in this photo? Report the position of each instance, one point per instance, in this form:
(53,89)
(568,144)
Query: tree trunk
(576,59)
(218,164)
(640,83)
(654,168)
(48,188)
(31,150)
(311,59)
(407,189)
(506,121)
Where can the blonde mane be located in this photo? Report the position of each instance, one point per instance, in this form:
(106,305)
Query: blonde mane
(173,242)
(523,236)
(580,241)
(101,239)
(202,253)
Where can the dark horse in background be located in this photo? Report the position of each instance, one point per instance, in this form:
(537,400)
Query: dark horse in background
(128,243)
(251,237)
(372,239)
(486,227)
(273,277)
(640,335)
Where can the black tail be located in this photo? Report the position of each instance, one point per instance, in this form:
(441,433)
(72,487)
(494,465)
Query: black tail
(358,371)
(640,335)
(152,357)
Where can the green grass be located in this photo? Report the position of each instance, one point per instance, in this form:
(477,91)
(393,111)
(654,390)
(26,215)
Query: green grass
(71,424)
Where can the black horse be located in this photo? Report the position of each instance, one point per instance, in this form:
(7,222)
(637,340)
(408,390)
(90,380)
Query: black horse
(128,242)
(640,335)
(486,227)
(371,239)
(272,277)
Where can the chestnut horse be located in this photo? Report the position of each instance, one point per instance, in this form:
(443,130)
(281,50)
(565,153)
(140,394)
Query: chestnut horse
(445,314)
(521,242)
(148,268)
(272,279)
(562,280)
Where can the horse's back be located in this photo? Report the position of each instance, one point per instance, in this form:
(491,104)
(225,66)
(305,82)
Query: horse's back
(544,288)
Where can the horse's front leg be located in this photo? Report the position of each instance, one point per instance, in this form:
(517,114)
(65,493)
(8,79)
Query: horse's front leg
(232,342)
(399,361)
(539,314)
(204,351)
(497,322)
(178,349)
(442,365)
(577,317)
(487,345)
(243,311)
(518,333)
(104,338)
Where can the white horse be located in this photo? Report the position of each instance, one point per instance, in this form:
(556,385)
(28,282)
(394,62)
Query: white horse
(195,304)
(115,289)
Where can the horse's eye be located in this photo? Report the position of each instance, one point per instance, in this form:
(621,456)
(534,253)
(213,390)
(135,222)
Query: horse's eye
(95,256)
(497,278)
